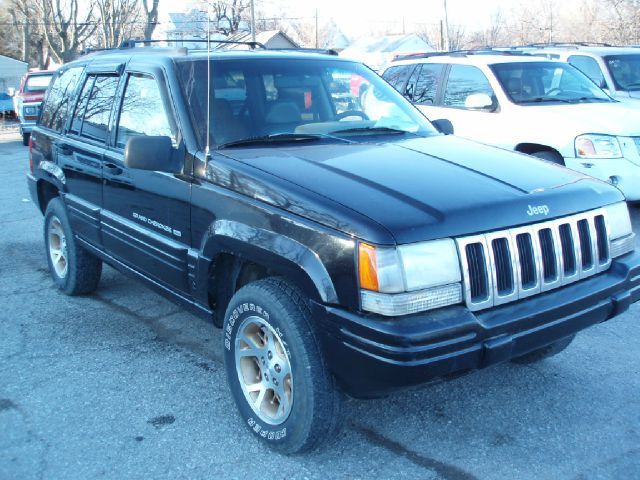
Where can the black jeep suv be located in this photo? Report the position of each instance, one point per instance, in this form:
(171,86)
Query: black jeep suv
(341,243)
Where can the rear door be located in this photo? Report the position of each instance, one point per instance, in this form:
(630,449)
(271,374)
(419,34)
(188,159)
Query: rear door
(146,216)
(80,153)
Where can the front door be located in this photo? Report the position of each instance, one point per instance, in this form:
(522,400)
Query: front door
(146,216)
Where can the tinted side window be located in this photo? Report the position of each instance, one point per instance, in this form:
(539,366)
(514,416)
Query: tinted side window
(143,111)
(397,75)
(465,80)
(423,84)
(589,66)
(60,99)
(78,114)
(95,124)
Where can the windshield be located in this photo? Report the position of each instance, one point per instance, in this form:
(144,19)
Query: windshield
(531,83)
(289,99)
(37,83)
(625,71)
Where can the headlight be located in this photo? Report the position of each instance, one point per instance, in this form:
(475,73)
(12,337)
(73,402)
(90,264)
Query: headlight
(620,231)
(409,279)
(30,111)
(597,146)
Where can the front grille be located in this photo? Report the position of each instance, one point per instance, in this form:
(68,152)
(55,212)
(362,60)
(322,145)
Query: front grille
(505,266)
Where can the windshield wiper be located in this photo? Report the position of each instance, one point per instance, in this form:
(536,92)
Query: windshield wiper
(383,130)
(586,99)
(545,99)
(276,137)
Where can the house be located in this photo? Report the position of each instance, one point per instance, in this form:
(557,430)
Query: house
(377,51)
(11,72)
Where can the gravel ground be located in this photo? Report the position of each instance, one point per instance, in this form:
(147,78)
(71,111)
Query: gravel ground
(124,384)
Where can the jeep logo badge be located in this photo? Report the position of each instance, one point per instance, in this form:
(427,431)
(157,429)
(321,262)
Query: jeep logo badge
(538,210)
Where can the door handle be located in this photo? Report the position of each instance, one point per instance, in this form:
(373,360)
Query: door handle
(112,169)
(65,149)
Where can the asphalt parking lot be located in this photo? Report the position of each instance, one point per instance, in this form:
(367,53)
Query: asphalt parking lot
(123,384)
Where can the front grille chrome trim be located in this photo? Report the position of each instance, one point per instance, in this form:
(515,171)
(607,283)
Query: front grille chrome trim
(533,254)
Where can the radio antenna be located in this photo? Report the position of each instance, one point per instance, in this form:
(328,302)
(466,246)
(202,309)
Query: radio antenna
(207,151)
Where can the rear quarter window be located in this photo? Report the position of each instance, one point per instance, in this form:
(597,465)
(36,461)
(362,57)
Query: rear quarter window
(60,98)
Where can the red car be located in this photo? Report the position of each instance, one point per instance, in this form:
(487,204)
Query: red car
(28,99)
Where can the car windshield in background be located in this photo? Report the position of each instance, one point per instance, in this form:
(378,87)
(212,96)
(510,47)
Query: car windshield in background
(533,83)
(625,71)
(37,83)
(286,100)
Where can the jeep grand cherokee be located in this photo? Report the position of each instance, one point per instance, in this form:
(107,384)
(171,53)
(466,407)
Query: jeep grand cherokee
(338,245)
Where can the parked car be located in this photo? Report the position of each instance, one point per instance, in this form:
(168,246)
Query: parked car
(355,249)
(28,99)
(614,69)
(532,105)
(6,104)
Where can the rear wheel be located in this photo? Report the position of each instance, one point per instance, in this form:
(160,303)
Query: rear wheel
(549,156)
(74,270)
(275,368)
(544,352)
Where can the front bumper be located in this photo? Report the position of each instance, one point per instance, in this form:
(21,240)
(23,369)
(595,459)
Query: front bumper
(372,355)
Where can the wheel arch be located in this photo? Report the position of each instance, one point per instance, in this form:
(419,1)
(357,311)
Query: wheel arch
(236,254)
(530,148)
(47,190)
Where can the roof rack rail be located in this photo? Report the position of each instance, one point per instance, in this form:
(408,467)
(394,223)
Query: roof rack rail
(567,44)
(459,53)
(131,43)
(325,51)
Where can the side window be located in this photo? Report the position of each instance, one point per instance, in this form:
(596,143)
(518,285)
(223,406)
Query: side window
(60,99)
(143,111)
(589,66)
(463,81)
(91,116)
(96,115)
(423,84)
(397,75)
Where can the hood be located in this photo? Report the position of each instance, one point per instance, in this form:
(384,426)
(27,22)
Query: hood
(618,118)
(628,95)
(426,188)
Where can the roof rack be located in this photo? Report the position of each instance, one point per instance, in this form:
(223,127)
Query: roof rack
(324,51)
(133,43)
(566,44)
(459,53)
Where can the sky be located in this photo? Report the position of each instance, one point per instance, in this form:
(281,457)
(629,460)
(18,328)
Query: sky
(357,17)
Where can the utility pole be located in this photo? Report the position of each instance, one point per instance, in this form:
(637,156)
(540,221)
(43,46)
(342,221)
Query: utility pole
(317,28)
(253,21)
(446,27)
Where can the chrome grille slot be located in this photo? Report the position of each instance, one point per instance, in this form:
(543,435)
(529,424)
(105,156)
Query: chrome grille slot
(508,265)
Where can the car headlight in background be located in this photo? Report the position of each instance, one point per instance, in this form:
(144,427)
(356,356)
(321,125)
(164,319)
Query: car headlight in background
(597,146)
(621,236)
(410,278)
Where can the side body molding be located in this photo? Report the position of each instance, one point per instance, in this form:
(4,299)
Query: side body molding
(279,253)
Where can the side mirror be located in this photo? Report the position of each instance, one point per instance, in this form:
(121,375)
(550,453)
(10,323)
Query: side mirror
(149,153)
(443,126)
(478,101)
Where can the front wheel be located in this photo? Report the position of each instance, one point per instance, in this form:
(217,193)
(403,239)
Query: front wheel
(25,139)
(275,368)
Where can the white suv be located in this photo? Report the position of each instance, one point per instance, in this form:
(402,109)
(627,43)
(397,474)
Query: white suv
(615,69)
(541,107)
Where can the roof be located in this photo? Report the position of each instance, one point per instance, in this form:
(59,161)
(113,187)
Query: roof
(600,51)
(5,59)
(389,44)
(264,38)
(473,59)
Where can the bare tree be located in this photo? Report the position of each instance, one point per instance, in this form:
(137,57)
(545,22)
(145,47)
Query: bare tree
(151,17)
(22,14)
(118,20)
(65,28)
(229,13)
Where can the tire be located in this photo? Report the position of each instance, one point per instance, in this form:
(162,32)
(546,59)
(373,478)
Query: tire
(25,139)
(271,319)
(74,270)
(544,352)
(549,156)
